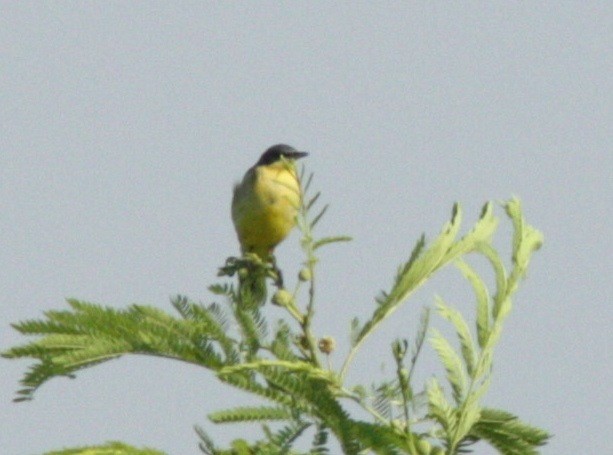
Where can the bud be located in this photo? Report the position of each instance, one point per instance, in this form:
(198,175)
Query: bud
(243,273)
(326,345)
(424,447)
(282,298)
(398,425)
(305,274)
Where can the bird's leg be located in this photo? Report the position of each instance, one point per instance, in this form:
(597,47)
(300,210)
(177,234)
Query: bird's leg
(277,275)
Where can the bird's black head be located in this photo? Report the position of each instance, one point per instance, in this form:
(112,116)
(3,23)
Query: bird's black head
(274,154)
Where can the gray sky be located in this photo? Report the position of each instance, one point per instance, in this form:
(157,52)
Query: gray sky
(123,126)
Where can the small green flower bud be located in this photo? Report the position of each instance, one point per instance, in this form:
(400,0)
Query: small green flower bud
(305,274)
(282,298)
(398,425)
(424,447)
(243,273)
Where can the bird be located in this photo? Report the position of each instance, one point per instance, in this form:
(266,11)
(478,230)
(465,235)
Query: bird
(265,203)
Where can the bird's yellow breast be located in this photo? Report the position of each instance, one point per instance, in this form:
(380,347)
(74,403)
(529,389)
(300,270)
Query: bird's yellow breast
(264,207)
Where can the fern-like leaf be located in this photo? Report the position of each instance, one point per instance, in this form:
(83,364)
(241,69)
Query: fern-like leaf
(439,407)
(320,439)
(482,298)
(110,448)
(508,434)
(250,414)
(452,363)
(285,437)
(414,273)
(89,334)
(452,315)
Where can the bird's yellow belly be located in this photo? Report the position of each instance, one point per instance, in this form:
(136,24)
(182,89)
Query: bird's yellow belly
(265,215)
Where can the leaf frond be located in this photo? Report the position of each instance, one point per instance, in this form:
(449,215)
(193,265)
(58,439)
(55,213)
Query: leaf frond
(452,363)
(508,434)
(250,414)
(90,334)
(452,315)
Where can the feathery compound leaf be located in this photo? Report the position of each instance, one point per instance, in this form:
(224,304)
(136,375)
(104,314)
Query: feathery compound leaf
(481,233)
(222,289)
(282,344)
(320,439)
(246,382)
(507,433)
(384,397)
(513,209)
(415,253)
(283,438)
(418,343)
(466,341)
(252,326)
(373,438)
(87,354)
(250,414)
(439,408)
(212,321)
(452,363)
(467,414)
(206,444)
(91,334)
(410,277)
(468,417)
(38,327)
(110,448)
(501,274)
(213,316)
(526,240)
(183,306)
(470,411)
(429,260)
(283,367)
(483,299)
(295,384)
(419,267)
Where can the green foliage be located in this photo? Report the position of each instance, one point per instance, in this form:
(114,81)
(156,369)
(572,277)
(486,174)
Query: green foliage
(246,414)
(110,448)
(280,361)
(507,433)
(90,334)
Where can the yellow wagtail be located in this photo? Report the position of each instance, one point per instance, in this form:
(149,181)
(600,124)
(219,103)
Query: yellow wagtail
(266,202)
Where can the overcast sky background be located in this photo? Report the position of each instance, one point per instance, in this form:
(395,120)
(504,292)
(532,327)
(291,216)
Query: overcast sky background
(124,125)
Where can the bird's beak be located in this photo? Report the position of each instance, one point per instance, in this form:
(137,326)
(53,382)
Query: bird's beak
(297,155)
